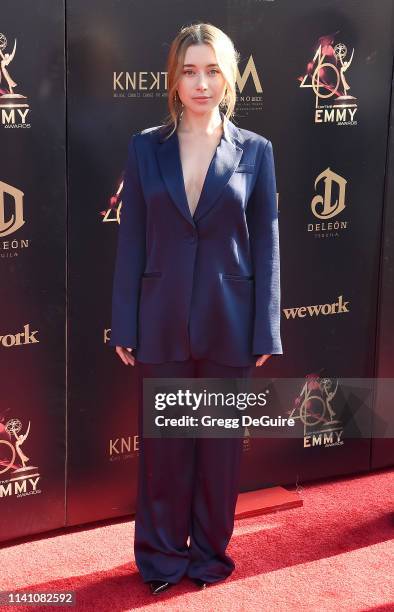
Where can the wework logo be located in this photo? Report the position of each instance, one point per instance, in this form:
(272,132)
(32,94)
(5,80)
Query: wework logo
(316,310)
(25,337)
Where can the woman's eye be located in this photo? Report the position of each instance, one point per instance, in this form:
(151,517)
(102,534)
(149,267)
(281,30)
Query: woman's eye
(192,71)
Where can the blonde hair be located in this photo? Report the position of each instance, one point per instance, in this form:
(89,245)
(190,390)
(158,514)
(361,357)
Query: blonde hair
(227,58)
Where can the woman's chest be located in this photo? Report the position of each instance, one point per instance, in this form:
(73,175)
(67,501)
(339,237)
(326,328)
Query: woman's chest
(195,159)
(218,178)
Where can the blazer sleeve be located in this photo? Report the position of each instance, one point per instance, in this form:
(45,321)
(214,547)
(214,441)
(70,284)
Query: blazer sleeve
(130,256)
(262,219)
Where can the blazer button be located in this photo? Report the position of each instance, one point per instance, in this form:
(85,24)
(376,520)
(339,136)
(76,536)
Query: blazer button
(192,238)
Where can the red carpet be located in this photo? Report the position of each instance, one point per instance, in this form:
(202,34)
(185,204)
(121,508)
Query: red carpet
(334,553)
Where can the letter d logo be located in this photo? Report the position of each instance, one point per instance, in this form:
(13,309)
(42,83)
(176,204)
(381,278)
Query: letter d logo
(16,220)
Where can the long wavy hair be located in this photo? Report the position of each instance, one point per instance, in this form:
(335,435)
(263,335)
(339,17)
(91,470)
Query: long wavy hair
(227,58)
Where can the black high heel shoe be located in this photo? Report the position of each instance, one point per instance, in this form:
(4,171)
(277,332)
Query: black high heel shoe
(158,586)
(200,583)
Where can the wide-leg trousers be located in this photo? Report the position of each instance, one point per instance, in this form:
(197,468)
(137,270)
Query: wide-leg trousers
(187,488)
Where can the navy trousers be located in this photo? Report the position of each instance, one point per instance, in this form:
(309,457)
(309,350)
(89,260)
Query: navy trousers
(187,487)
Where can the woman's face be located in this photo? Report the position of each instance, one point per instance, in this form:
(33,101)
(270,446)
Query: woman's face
(202,85)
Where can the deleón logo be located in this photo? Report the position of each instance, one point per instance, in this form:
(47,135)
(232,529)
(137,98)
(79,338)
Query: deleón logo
(23,478)
(15,220)
(325,75)
(328,205)
(14,107)
(25,337)
(11,219)
(315,310)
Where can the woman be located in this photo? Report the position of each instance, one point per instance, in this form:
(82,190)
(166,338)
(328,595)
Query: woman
(196,294)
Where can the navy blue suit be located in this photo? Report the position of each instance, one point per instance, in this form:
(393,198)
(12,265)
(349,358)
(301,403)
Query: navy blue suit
(205,286)
(195,296)
(186,487)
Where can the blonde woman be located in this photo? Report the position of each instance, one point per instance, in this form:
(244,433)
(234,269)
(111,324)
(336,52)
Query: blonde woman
(196,293)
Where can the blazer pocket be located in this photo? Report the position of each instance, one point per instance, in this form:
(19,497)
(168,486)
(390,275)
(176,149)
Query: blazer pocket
(238,277)
(151,274)
(245,168)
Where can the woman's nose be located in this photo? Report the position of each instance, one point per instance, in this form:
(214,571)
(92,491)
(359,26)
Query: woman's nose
(201,82)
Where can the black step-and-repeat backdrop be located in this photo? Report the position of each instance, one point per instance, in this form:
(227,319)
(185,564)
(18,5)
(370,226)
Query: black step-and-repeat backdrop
(382,442)
(32,267)
(314,78)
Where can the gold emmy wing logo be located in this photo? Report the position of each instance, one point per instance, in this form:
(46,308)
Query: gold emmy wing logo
(23,478)
(11,223)
(13,105)
(328,205)
(325,75)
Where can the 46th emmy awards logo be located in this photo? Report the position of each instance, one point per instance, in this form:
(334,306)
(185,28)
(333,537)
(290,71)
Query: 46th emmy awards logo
(112,213)
(14,107)
(23,478)
(313,407)
(325,75)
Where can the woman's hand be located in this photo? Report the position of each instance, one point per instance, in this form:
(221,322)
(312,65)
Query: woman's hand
(262,359)
(125,355)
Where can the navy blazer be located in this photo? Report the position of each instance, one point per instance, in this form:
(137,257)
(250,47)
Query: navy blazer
(205,286)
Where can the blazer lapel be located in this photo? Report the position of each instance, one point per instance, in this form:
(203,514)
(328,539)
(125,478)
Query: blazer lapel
(171,170)
(223,164)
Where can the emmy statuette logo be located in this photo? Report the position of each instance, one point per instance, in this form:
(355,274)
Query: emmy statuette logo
(22,478)
(13,105)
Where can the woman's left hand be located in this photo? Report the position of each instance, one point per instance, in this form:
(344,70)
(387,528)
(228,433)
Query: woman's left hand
(262,359)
